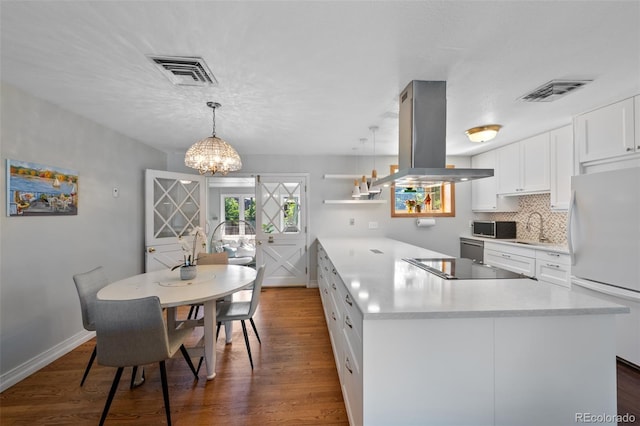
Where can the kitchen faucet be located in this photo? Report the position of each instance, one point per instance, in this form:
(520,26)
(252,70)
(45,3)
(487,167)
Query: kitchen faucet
(541,237)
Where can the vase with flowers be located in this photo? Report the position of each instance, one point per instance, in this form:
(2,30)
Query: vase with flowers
(411,204)
(191,251)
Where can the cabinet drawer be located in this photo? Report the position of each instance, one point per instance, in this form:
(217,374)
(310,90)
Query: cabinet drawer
(511,262)
(553,257)
(352,384)
(352,318)
(553,273)
(520,250)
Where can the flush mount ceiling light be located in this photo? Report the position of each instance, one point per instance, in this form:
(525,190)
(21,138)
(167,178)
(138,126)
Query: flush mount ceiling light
(483,133)
(212,155)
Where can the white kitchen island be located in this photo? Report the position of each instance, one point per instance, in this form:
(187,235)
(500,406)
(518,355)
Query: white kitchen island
(415,349)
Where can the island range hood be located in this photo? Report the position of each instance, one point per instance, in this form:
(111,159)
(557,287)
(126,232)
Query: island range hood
(422,125)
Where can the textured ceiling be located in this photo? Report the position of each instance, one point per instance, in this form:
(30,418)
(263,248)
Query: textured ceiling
(311,77)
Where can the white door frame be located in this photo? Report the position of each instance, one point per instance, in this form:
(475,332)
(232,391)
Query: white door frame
(165,251)
(282,245)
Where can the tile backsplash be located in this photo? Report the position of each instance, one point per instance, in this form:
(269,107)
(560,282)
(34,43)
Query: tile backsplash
(554,223)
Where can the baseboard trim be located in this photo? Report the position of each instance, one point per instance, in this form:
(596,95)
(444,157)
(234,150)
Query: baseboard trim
(29,367)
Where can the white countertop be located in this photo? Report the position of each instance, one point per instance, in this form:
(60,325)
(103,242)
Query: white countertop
(384,287)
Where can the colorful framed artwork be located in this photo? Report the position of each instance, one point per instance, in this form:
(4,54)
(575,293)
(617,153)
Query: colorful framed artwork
(39,190)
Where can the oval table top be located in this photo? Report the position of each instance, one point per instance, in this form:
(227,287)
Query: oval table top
(211,282)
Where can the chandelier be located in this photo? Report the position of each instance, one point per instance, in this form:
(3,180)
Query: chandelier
(212,154)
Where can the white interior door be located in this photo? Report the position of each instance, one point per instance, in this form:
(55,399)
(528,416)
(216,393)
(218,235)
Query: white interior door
(174,205)
(281,229)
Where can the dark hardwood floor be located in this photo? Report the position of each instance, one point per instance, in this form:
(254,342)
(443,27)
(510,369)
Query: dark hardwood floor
(294,381)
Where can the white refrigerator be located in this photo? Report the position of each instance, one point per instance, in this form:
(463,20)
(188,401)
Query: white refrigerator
(604,242)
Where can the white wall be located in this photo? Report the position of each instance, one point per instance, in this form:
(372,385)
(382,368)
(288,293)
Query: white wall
(39,309)
(333,219)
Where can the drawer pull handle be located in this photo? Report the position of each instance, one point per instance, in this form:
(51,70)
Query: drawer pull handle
(326,291)
(347,365)
(506,256)
(347,321)
(334,271)
(347,299)
(333,285)
(629,149)
(554,254)
(333,315)
(551,265)
(326,269)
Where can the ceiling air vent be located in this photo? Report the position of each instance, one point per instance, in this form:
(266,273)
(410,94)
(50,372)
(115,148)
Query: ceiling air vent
(553,90)
(185,70)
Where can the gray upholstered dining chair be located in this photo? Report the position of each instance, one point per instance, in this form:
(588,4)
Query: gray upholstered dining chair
(242,311)
(208,259)
(88,284)
(133,332)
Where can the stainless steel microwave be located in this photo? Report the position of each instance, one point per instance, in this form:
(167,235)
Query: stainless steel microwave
(499,229)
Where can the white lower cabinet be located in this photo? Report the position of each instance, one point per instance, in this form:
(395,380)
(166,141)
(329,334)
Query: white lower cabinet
(344,323)
(553,268)
(521,260)
(351,380)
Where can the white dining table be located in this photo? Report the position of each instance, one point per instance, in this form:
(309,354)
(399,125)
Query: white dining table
(212,282)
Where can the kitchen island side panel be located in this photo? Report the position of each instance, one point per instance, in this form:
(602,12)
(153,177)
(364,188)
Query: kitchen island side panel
(428,372)
(552,370)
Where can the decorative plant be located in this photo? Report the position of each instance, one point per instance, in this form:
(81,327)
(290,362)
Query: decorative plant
(191,251)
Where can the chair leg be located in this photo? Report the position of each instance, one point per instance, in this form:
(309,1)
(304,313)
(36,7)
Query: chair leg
(134,371)
(217,331)
(187,358)
(86,371)
(253,324)
(246,341)
(112,392)
(196,314)
(199,365)
(165,391)
(191,311)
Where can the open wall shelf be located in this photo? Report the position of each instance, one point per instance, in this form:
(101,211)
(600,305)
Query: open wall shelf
(355,201)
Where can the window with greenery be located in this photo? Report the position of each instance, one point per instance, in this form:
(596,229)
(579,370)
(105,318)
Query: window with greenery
(429,201)
(239,208)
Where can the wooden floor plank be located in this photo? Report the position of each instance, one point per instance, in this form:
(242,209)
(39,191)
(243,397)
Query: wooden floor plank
(294,381)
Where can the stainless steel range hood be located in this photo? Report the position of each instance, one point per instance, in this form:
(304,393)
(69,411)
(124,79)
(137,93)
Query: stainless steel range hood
(422,155)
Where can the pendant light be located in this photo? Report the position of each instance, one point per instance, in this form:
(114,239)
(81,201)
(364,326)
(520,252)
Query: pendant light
(364,189)
(355,192)
(212,155)
(374,173)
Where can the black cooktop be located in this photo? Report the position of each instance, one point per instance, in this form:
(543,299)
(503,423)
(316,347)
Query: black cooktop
(462,269)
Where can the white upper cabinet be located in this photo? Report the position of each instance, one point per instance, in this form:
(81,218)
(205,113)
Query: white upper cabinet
(607,132)
(484,195)
(561,166)
(534,158)
(524,166)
